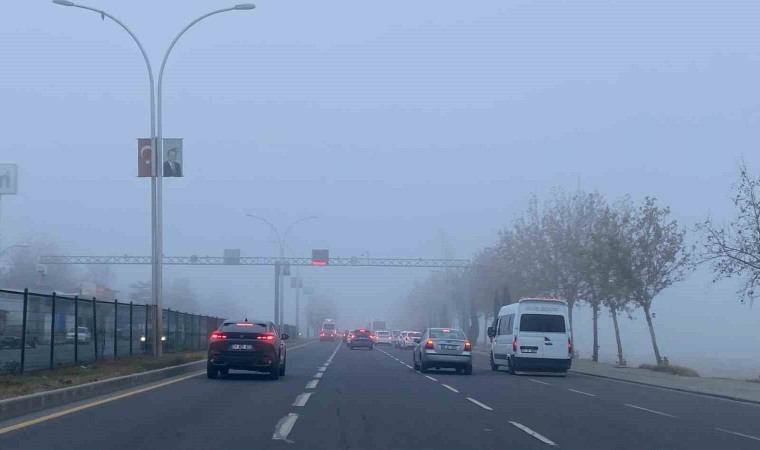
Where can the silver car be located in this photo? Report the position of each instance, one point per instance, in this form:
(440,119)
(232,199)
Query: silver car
(443,348)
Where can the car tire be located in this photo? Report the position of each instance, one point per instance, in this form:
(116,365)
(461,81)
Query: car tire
(351,347)
(274,371)
(423,367)
(283,366)
(467,370)
(494,366)
(211,372)
(511,367)
(414,362)
(372,347)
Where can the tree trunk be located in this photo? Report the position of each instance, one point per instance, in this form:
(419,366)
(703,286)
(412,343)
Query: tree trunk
(474,331)
(570,304)
(595,353)
(613,310)
(651,333)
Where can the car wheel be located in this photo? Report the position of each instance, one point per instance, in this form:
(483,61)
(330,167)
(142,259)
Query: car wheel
(467,370)
(494,366)
(414,362)
(423,367)
(372,348)
(283,366)
(211,371)
(351,347)
(511,366)
(274,371)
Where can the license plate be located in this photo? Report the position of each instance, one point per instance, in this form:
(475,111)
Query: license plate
(529,350)
(449,347)
(241,347)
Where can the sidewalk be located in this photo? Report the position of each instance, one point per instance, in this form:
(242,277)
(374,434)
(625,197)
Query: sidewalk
(740,390)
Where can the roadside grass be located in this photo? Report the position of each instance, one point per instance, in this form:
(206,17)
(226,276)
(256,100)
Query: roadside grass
(671,369)
(65,376)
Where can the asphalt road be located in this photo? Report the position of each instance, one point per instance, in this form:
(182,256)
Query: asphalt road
(335,398)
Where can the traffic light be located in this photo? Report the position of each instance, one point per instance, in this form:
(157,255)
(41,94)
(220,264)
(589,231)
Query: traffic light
(320,257)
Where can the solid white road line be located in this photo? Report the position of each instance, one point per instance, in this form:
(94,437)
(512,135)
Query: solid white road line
(650,410)
(581,392)
(322,369)
(533,433)
(430,378)
(449,388)
(312,384)
(318,374)
(540,382)
(739,434)
(486,407)
(284,426)
(302,399)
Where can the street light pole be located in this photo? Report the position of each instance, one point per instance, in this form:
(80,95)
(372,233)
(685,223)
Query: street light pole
(156,162)
(279,303)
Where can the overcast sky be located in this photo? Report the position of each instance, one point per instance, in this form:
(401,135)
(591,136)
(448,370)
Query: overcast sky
(398,123)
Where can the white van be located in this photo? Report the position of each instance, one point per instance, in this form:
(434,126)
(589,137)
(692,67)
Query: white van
(532,335)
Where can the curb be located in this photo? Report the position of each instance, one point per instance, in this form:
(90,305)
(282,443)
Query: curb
(670,388)
(27,404)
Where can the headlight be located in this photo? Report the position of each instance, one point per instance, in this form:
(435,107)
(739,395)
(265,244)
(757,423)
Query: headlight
(163,338)
(142,338)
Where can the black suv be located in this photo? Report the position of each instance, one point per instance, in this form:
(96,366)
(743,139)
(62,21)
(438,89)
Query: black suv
(244,345)
(361,338)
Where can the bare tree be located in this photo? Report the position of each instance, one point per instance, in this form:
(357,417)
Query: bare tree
(660,258)
(733,250)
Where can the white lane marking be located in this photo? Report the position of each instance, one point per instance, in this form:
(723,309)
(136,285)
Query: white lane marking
(284,426)
(407,365)
(322,369)
(543,439)
(739,434)
(430,378)
(302,399)
(318,374)
(482,405)
(540,382)
(312,384)
(581,392)
(449,388)
(302,345)
(650,410)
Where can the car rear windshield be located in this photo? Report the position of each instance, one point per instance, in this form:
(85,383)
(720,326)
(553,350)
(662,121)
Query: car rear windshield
(358,333)
(542,323)
(328,326)
(446,333)
(415,334)
(383,333)
(245,327)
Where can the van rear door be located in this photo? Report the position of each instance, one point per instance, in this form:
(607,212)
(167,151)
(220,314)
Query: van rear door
(542,336)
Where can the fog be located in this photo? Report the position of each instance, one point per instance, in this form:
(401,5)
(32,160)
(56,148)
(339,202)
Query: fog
(411,129)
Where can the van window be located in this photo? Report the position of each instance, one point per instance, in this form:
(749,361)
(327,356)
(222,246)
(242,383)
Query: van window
(328,326)
(506,324)
(542,323)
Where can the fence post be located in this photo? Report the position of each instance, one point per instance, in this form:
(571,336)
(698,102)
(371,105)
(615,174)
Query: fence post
(131,327)
(176,330)
(168,324)
(115,327)
(95,324)
(52,332)
(23,328)
(76,329)
(145,333)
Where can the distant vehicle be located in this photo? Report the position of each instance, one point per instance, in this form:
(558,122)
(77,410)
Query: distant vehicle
(82,336)
(440,348)
(395,334)
(377,325)
(397,339)
(408,340)
(532,335)
(361,338)
(383,338)
(328,332)
(243,345)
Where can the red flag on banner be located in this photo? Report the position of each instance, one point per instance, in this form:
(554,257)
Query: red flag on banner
(144,155)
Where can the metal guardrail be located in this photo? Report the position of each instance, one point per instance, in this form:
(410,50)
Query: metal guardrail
(43,331)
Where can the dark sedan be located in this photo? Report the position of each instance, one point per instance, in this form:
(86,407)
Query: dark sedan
(243,345)
(361,338)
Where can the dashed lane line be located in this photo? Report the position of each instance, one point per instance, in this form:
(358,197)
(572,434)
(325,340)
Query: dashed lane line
(284,426)
(302,399)
(541,438)
(322,369)
(312,384)
(581,392)
(318,374)
(650,410)
(482,405)
(407,365)
(540,382)
(449,388)
(430,378)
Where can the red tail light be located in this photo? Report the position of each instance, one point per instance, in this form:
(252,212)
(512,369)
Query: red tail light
(407,338)
(467,346)
(429,345)
(217,336)
(265,337)
(514,345)
(569,347)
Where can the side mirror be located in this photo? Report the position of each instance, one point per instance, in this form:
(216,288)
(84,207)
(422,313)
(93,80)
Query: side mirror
(491,332)
(284,337)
